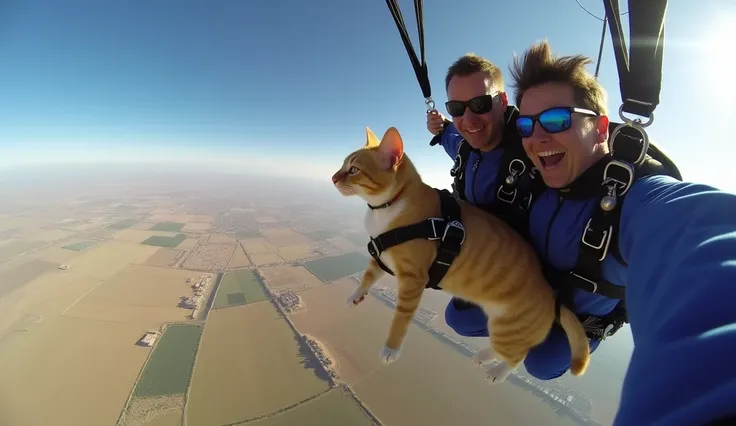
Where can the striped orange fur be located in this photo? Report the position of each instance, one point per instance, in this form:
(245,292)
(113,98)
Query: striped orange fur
(496,269)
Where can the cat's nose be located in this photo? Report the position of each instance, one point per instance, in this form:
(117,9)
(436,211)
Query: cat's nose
(336,177)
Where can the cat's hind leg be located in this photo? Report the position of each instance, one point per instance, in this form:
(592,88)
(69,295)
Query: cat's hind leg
(372,273)
(510,342)
(484,356)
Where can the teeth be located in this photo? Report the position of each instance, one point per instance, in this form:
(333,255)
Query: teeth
(474,130)
(549,153)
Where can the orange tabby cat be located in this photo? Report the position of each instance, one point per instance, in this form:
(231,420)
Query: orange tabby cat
(495,269)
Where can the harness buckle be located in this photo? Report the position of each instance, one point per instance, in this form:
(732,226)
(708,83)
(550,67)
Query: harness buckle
(623,183)
(593,284)
(619,132)
(508,197)
(455,230)
(435,233)
(603,241)
(373,249)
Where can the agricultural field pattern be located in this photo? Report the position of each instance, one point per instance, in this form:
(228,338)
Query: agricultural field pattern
(219,301)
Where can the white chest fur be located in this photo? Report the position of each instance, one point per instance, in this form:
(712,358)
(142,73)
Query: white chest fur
(379,221)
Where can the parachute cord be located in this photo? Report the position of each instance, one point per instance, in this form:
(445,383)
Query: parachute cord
(600,48)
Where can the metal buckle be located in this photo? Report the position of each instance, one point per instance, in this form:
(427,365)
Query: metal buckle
(591,282)
(375,252)
(517,171)
(644,140)
(457,225)
(429,103)
(636,121)
(622,185)
(511,194)
(604,242)
(436,236)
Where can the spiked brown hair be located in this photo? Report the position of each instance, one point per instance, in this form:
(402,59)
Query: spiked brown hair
(471,63)
(539,66)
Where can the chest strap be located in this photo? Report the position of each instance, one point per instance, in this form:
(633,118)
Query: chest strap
(448,230)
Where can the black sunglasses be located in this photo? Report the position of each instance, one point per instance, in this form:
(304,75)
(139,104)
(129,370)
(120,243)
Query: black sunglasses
(479,105)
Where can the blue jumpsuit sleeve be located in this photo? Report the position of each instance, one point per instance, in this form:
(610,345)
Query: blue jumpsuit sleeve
(679,240)
(451,138)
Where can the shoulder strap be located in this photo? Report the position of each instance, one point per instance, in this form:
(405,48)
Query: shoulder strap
(459,168)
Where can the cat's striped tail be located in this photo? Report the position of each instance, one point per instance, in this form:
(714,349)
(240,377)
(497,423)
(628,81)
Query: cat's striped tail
(579,346)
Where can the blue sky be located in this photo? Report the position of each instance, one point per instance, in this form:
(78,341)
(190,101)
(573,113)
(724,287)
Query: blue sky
(288,87)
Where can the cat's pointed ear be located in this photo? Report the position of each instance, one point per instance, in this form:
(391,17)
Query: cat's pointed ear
(392,147)
(370,139)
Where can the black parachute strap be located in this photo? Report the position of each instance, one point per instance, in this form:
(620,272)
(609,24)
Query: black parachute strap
(452,239)
(420,68)
(640,71)
(459,169)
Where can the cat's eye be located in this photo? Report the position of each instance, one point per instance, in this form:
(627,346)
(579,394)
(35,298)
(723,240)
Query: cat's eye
(353,170)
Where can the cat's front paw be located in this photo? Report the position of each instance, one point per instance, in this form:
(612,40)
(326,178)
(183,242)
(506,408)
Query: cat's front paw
(356,298)
(498,373)
(389,355)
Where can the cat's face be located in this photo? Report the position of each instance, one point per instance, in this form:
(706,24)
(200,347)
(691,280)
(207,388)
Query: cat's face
(370,171)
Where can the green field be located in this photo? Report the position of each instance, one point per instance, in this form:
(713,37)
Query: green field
(168,242)
(321,235)
(168,226)
(247,234)
(80,246)
(169,368)
(239,288)
(336,267)
(335,408)
(122,224)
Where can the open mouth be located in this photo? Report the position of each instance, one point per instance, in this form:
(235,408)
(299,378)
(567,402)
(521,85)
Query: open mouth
(551,158)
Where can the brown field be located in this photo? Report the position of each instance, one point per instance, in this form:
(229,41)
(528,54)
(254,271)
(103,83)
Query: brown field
(239,260)
(223,238)
(265,218)
(282,237)
(165,257)
(108,258)
(79,371)
(345,244)
(143,295)
(15,247)
(56,254)
(188,244)
(294,278)
(170,418)
(325,312)
(301,251)
(181,218)
(136,236)
(248,371)
(266,259)
(19,272)
(49,235)
(196,227)
(209,256)
(431,384)
(259,245)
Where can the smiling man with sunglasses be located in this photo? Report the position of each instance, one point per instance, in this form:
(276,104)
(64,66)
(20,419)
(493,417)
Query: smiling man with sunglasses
(491,168)
(624,240)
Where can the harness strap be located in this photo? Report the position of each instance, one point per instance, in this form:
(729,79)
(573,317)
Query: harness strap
(459,168)
(640,72)
(420,68)
(448,230)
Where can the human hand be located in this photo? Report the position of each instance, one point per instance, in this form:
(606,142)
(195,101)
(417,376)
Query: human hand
(435,121)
